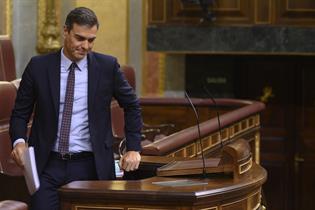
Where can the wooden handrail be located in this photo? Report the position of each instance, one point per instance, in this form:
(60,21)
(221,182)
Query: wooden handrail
(243,109)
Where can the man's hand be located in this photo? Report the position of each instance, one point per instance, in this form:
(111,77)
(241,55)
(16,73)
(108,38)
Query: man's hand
(17,154)
(130,161)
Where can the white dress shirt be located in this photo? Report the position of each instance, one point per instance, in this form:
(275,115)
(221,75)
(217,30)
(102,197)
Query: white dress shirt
(79,138)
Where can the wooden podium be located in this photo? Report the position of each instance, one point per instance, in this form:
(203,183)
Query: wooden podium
(234,185)
(213,193)
(230,182)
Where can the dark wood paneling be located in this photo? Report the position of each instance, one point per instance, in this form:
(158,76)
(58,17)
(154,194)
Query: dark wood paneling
(305,144)
(179,12)
(277,141)
(295,12)
(305,184)
(276,187)
(234,12)
(156,11)
(263,11)
(288,123)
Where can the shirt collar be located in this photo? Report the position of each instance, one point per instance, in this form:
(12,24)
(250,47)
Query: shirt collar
(66,62)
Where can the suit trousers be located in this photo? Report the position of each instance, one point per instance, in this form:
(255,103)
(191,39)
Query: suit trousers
(59,172)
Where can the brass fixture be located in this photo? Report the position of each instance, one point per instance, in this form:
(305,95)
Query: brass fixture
(267,94)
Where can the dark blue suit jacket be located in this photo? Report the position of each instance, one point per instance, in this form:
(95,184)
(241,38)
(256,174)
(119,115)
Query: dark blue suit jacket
(39,91)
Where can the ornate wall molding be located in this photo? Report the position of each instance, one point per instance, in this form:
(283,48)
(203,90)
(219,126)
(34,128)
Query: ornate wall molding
(48,32)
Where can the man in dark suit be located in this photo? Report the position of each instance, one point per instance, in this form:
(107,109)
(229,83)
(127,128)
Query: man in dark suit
(70,93)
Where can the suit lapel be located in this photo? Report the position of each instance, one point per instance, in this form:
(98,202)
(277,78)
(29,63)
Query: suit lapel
(54,80)
(93,78)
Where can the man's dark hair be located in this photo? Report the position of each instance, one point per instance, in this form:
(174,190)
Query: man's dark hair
(81,16)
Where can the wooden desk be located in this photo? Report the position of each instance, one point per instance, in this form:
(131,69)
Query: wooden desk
(219,192)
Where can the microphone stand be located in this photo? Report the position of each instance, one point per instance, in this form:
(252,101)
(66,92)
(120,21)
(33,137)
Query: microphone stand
(217,112)
(204,173)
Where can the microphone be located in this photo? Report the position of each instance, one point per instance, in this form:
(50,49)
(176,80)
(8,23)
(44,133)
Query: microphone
(199,135)
(208,93)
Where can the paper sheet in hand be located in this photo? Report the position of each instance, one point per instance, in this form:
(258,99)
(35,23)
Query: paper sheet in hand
(30,171)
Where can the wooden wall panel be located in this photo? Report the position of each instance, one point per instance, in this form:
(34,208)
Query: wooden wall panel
(157,11)
(295,12)
(279,135)
(179,12)
(300,4)
(263,9)
(305,146)
(234,12)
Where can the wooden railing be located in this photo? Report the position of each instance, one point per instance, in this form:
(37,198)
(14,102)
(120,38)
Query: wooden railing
(238,118)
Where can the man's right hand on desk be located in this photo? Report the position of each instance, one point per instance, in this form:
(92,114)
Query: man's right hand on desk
(17,153)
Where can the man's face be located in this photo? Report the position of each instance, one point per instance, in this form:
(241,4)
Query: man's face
(78,41)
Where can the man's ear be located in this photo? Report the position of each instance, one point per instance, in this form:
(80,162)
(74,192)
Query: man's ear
(65,31)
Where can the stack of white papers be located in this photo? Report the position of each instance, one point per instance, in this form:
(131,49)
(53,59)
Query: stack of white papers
(30,171)
(119,172)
